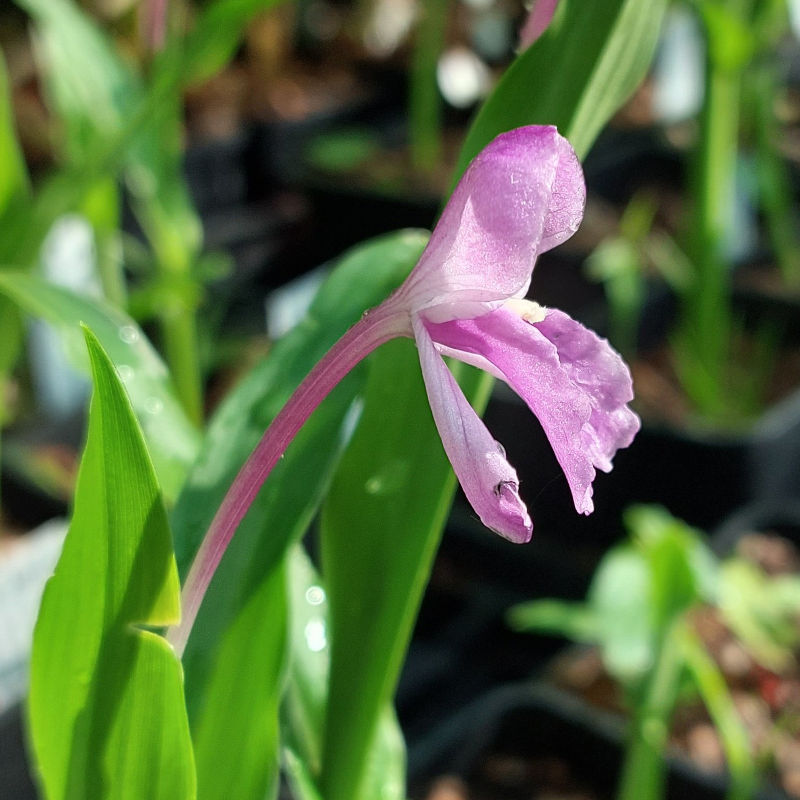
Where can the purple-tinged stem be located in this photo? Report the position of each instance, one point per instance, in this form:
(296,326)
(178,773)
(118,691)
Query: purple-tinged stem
(154,25)
(373,329)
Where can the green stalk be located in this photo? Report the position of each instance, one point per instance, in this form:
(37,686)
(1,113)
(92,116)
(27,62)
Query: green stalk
(10,345)
(101,206)
(774,189)
(643,772)
(706,327)
(730,728)
(179,332)
(425,106)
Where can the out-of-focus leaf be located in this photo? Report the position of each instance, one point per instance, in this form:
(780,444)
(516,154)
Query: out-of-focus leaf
(13,172)
(239,604)
(173,441)
(684,570)
(89,86)
(714,691)
(297,772)
(581,70)
(762,612)
(572,620)
(160,199)
(619,599)
(107,713)
(217,32)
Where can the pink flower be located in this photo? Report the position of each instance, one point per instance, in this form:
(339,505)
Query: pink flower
(522,195)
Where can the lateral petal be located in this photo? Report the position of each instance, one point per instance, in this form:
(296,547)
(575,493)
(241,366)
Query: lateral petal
(523,194)
(575,383)
(489,482)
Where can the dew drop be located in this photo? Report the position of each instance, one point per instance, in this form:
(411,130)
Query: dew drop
(125,373)
(128,334)
(374,485)
(153,405)
(315,595)
(316,637)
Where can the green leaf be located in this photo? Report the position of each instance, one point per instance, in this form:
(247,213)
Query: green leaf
(575,76)
(572,620)
(306,696)
(620,601)
(716,696)
(381,525)
(240,608)
(172,440)
(761,611)
(107,713)
(216,34)
(236,732)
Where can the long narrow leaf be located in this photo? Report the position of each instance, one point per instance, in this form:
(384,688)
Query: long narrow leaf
(576,75)
(306,697)
(106,703)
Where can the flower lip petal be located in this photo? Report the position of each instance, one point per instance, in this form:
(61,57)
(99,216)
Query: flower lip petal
(573,381)
(523,194)
(488,480)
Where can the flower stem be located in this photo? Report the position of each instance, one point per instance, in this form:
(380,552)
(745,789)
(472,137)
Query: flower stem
(425,105)
(643,772)
(707,323)
(373,329)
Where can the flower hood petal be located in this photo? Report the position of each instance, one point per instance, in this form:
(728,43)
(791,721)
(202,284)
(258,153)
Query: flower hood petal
(488,480)
(573,381)
(523,194)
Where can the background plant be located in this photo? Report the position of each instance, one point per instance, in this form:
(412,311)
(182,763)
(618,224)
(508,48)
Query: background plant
(639,610)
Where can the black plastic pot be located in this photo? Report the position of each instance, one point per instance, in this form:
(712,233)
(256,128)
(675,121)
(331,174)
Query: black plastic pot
(15,776)
(781,518)
(532,731)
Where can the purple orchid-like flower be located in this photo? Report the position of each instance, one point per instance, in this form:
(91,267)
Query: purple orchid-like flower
(522,195)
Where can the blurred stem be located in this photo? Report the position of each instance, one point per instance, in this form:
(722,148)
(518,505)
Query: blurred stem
(718,701)
(179,331)
(101,206)
(643,772)
(10,345)
(425,105)
(707,313)
(774,188)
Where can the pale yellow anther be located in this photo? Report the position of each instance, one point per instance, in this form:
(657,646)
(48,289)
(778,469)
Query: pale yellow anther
(526,309)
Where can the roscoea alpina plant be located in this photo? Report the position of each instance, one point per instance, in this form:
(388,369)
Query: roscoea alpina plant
(522,195)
